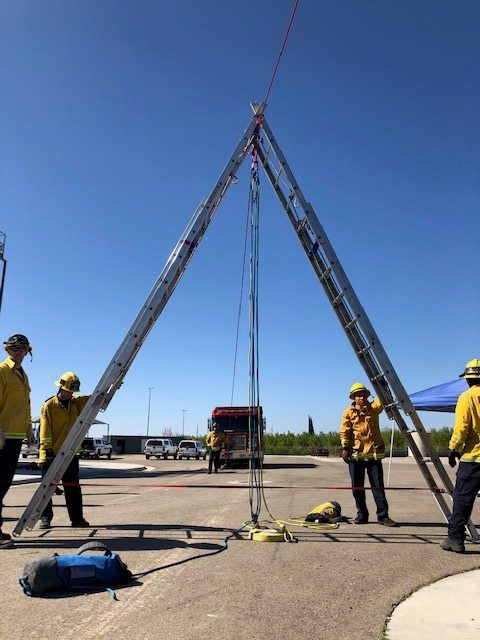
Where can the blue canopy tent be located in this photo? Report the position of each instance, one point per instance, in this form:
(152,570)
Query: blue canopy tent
(442,397)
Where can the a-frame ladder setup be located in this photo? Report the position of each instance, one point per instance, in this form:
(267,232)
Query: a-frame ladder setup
(335,283)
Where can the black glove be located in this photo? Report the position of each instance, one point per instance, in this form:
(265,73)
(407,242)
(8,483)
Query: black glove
(452,458)
(346,454)
(49,456)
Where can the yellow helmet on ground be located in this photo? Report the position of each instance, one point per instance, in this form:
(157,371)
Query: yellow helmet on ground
(69,382)
(326,512)
(356,387)
(472,369)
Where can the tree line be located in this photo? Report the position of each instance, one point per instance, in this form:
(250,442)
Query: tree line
(303,444)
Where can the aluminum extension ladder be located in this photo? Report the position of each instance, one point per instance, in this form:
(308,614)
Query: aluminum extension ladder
(337,287)
(352,317)
(146,318)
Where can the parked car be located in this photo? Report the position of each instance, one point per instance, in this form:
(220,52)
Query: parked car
(191,449)
(160,448)
(94,448)
(28,449)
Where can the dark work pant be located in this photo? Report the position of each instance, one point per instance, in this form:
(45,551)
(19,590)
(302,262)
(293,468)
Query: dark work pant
(8,463)
(213,460)
(374,471)
(73,495)
(467,486)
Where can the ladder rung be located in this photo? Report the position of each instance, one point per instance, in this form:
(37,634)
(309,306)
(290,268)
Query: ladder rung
(352,322)
(279,173)
(366,349)
(325,274)
(338,298)
(390,405)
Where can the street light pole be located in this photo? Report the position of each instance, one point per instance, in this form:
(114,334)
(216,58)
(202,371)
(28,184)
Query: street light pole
(184,411)
(148,412)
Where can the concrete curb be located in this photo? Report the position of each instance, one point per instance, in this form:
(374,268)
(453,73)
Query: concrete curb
(447,609)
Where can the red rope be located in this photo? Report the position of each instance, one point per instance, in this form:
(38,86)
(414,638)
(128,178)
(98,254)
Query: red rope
(281,52)
(179,485)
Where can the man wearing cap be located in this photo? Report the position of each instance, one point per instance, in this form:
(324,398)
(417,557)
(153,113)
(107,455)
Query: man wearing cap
(215,441)
(465,444)
(363,449)
(15,417)
(57,417)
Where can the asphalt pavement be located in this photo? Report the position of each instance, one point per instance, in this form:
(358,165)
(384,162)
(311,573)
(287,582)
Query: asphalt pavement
(354,582)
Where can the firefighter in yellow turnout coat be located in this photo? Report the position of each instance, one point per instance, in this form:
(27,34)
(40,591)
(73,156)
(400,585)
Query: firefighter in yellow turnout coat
(15,420)
(57,417)
(215,441)
(363,449)
(465,444)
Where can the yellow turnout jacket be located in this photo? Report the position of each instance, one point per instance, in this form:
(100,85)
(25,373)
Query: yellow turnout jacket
(15,416)
(215,440)
(360,431)
(466,432)
(56,420)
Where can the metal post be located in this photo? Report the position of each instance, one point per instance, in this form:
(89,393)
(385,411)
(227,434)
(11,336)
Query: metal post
(148,412)
(183,421)
(4,265)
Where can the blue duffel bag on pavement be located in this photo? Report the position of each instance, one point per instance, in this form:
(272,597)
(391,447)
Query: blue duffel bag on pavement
(79,572)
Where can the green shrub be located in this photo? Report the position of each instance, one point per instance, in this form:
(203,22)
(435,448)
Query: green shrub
(304,444)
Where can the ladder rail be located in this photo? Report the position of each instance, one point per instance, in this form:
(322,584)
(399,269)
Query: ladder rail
(135,337)
(353,318)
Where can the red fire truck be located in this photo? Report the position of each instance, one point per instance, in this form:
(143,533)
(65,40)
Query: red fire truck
(243,428)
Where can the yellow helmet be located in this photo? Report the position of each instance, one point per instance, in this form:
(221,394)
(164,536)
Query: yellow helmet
(325,512)
(18,340)
(356,387)
(472,369)
(69,382)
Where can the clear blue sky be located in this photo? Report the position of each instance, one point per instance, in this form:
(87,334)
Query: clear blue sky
(117,118)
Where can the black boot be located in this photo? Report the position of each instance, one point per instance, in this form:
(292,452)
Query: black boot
(456,546)
(80,524)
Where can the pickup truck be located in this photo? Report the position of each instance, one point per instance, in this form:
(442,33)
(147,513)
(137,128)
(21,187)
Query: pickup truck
(191,449)
(160,448)
(94,448)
